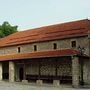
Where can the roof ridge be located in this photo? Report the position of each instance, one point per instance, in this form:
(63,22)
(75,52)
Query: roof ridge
(74,21)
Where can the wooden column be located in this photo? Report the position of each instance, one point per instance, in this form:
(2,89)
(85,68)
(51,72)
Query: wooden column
(24,74)
(24,71)
(56,69)
(56,82)
(39,70)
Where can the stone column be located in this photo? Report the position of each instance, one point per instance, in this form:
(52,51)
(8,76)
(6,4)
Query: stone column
(75,71)
(11,71)
(0,71)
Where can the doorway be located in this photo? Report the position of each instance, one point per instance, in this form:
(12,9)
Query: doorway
(5,73)
(21,71)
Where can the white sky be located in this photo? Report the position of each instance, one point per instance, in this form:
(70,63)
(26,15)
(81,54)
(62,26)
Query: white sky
(29,14)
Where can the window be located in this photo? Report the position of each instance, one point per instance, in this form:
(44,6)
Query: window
(73,44)
(19,50)
(35,48)
(54,46)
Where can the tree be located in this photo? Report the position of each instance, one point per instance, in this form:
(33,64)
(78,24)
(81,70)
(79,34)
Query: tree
(6,29)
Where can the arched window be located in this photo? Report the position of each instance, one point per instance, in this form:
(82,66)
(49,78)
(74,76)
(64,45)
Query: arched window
(73,44)
(19,50)
(54,45)
(35,47)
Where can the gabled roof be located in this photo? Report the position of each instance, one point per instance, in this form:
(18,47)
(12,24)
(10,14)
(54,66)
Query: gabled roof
(53,32)
(55,53)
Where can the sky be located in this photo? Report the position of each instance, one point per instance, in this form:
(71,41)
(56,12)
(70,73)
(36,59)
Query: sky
(28,14)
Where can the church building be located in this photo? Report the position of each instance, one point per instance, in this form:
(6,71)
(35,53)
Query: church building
(56,54)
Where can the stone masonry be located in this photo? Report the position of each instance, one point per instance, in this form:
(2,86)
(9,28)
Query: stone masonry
(11,71)
(75,71)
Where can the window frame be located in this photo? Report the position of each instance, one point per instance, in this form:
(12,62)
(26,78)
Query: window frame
(19,49)
(73,44)
(54,46)
(35,47)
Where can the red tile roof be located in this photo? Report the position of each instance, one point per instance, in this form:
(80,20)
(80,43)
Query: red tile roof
(21,56)
(53,32)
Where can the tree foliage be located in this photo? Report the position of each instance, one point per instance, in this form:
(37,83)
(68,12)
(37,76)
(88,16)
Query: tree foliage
(6,29)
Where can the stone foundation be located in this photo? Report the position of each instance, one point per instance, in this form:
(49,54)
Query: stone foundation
(24,81)
(56,82)
(39,82)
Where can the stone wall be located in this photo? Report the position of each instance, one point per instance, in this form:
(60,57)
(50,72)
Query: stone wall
(86,71)
(8,50)
(45,46)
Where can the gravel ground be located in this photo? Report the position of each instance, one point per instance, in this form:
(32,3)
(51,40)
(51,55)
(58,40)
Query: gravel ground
(22,86)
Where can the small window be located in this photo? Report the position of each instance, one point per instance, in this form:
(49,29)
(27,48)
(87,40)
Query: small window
(73,43)
(19,50)
(35,48)
(54,46)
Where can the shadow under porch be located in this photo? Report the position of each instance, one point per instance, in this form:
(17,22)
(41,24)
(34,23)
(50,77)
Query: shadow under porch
(45,69)
(5,71)
(66,70)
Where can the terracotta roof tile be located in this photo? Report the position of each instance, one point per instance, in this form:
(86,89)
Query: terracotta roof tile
(59,31)
(21,56)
